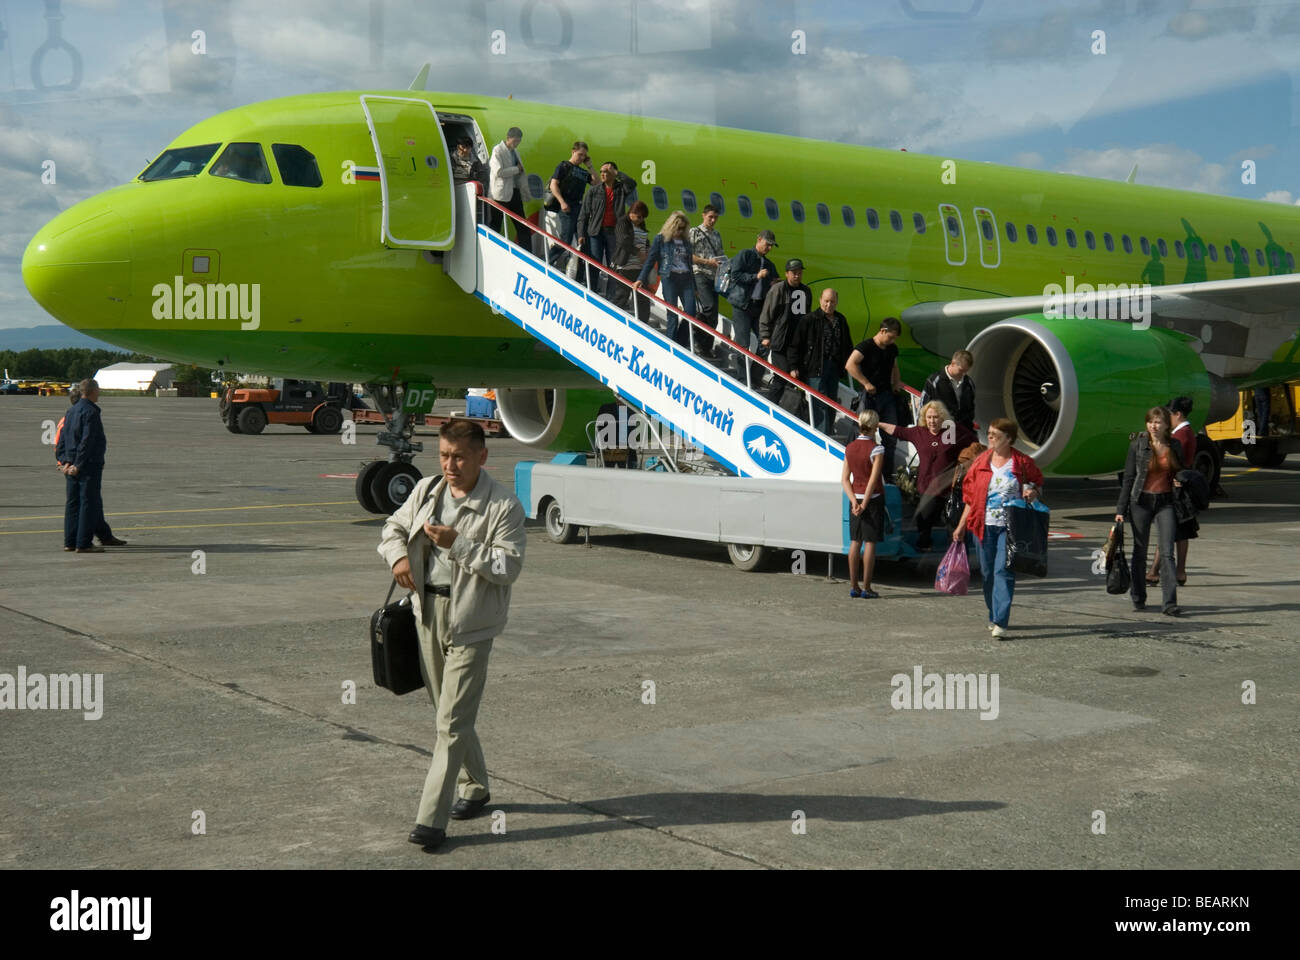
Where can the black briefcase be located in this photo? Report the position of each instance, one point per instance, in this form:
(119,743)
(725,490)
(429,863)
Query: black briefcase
(395,646)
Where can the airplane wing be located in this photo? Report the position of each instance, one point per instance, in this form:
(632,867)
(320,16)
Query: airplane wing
(1237,324)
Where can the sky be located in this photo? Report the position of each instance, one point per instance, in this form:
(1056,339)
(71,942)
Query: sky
(1186,89)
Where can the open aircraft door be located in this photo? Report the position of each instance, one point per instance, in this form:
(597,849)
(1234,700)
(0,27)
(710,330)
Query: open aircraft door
(414,173)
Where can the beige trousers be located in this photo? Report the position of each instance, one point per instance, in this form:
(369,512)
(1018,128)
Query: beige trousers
(455,677)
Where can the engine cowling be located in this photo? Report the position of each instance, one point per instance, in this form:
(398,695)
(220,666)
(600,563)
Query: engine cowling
(550,418)
(1078,388)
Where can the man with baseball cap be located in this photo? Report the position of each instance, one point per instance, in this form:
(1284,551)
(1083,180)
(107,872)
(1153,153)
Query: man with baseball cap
(752,276)
(785,308)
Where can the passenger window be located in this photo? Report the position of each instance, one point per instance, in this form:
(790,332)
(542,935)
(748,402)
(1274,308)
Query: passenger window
(688,201)
(1259,256)
(896,221)
(773,211)
(1214,253)
(1227,252)
(918,222)
(1274,259)
(1107,239)
(244,162)
(1146,246)
(1194,251)
(953,229)
(847,214)
(1127,242)
(1011,231)
(873,218)
(986,228)
(823,215)
(744,206)
(796,211)
(1090,239)
(1070,239)
(718,203)
(1051,236)
(1163,247)
(1178,248)
(297,165)
(1031,234)
(535,186)
(180,162)
(660,197)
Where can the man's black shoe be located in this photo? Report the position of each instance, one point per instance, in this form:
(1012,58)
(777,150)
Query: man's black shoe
(464,809)
(1171,611)
(430,838)
(113,542)
(1139,606)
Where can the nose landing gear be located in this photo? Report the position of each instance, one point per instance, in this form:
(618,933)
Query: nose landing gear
(383,485)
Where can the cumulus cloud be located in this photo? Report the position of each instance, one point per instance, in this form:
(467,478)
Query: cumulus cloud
(1161,165)
(1280,196)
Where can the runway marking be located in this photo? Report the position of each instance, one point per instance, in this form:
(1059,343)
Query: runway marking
(150,513)
(1234,476)
(191,526)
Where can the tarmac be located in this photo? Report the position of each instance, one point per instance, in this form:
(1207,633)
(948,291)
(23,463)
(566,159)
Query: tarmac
(649,705)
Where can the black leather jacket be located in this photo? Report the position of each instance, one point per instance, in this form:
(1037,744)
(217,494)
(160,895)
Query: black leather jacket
(1135,469)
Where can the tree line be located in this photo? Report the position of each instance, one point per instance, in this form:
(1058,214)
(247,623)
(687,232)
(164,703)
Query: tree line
(78,363)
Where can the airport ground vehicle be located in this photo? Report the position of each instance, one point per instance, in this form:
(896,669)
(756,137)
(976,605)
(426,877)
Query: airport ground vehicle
(1269,444)
(304,403)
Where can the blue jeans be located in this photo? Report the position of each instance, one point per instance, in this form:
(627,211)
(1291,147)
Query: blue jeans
(678,288)
(599,247)
(999,579)
(567,223)
(828,385)
(1148,510)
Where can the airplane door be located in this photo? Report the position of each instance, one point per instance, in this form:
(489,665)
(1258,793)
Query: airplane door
(990,251)
(414,173)
(954,234)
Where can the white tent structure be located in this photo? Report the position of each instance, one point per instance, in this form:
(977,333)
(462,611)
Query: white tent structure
(145,377)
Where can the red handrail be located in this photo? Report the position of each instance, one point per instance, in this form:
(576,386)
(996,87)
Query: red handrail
(710,332)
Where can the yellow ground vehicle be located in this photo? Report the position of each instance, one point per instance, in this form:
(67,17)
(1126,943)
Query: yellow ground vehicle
(1272,441)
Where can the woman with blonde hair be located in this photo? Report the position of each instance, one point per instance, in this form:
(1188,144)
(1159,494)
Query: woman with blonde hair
(671,252)
(938,442)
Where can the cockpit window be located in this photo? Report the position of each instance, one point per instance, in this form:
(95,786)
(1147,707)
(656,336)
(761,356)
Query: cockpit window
(297,165)
(179,162)
(242,161)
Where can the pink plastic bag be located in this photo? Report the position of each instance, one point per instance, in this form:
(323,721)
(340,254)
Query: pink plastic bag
(954,572)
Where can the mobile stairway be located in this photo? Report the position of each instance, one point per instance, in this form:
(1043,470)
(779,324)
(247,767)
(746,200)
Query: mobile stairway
(776,483)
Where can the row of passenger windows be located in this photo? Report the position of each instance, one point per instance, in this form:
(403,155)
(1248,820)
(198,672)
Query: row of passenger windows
(239,161)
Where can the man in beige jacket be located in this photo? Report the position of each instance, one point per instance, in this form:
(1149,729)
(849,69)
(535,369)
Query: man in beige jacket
(458,544)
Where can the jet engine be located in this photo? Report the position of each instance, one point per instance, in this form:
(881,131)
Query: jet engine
(551,418)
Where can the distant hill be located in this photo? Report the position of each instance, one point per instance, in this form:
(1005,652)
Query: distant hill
(50,336)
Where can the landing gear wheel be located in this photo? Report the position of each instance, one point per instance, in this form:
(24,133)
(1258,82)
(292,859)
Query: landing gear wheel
(747,556)
(362,486)
(1264,453)
(392,484)
(556,528)
(1208,460)
(251,420)
(328,420)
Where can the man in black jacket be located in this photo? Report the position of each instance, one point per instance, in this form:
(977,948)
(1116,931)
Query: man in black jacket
(602,207)
(752,275)
(952,386)
(785,308)
(821,347)
(84,448)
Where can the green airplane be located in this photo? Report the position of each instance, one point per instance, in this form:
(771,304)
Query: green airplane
(309,237)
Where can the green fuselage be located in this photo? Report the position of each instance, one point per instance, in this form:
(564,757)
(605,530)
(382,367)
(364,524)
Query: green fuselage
(335,304)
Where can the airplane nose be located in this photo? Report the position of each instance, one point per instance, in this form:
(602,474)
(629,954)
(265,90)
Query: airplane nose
(78,267)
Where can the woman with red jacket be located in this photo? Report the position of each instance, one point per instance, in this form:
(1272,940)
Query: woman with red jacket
(995,478)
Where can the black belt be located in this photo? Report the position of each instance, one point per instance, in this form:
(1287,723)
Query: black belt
(439,590)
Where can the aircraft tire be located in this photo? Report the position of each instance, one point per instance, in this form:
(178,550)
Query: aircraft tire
(362,486)
(747,556)
(251,419)
(328,420)
(1264,453)
(232,424)
(391,484)
(556,529)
